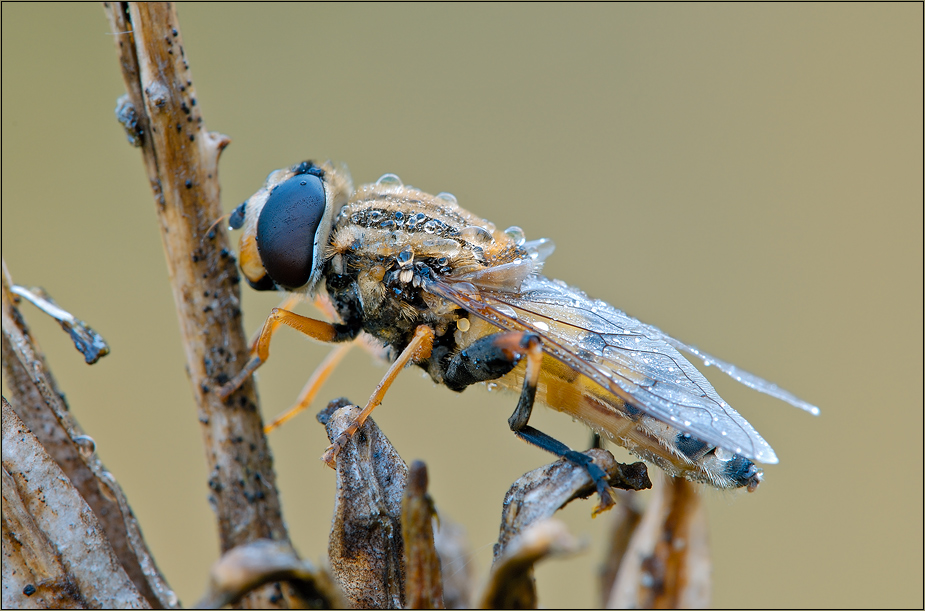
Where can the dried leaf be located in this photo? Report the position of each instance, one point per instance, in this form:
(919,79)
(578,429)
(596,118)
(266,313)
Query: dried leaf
(365,548)
(54,531)
(539,494)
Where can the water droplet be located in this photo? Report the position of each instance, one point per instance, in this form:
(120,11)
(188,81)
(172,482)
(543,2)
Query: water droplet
(374,216)
(475,233)
(85,445)
(389,180)
(430,226)
(517,234)
(463,324)
(405,256)
(506,310)
(449,198)
(541,325)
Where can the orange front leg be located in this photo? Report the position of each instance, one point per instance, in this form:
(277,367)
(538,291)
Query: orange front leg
(312,387)
(316,329)
(419,348)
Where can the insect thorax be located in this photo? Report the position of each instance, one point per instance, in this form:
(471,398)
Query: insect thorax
(387,241)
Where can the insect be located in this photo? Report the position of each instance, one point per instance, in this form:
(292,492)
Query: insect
(447,290)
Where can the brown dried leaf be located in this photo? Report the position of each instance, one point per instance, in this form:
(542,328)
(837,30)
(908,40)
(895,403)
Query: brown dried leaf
(366,550)
(539,494)
(54,532)
(40,404)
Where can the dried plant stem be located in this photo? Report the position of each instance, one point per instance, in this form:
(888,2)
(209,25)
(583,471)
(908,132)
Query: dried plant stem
(164,118)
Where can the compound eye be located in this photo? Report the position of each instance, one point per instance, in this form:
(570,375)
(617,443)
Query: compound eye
(287,227)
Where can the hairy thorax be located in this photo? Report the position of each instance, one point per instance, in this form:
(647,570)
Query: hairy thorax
(388,240)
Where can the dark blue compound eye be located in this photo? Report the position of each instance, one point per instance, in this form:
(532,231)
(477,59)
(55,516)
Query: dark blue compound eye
(287,227)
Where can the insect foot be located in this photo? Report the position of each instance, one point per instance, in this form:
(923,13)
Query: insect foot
(539,494)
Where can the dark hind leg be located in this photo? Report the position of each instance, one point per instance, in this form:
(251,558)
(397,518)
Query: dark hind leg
(493,356)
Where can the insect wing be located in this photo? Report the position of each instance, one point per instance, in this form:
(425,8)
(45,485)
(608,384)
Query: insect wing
(630,359)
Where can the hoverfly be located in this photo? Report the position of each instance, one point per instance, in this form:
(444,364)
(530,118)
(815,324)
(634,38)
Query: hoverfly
(464,301)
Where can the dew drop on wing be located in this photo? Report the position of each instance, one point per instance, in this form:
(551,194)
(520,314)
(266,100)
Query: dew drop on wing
(540,249)
(506,310)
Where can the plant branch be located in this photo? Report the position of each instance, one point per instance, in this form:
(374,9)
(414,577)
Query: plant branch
(163,116)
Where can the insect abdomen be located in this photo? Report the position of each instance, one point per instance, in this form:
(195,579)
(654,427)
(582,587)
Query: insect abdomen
(675,452)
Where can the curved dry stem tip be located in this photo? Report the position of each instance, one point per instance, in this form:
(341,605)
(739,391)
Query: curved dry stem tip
(87,341)
(249,566)
(511,584)
(423,579)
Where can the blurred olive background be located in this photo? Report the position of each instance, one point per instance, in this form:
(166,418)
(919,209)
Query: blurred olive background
(746,177)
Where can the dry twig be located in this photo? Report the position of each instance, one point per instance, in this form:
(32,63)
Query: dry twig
(163,115)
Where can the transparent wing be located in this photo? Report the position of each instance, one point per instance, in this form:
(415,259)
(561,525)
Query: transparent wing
(635,361)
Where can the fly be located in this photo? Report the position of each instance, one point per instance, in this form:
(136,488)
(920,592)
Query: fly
(446,290)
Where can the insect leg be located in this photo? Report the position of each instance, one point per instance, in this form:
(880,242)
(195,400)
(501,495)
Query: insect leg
(316,329)
(288,303)
(489,358)
(418,348)
(313,385)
